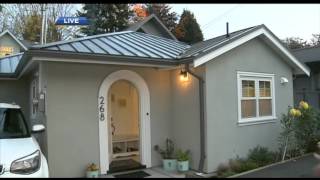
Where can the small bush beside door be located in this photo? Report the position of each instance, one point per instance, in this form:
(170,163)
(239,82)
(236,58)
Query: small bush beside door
(183,160)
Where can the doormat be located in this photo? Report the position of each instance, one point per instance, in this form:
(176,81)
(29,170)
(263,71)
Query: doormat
(137,174)
(124,165)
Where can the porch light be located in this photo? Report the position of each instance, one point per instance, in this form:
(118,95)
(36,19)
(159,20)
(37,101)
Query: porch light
(184,77)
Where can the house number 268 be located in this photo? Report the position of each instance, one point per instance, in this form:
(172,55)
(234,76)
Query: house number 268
(101,108)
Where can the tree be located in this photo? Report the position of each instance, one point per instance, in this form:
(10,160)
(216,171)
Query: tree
(162,11)
(105,18)
(18,18)
(32,28)
(139,12)
(315,41)
(295,43)
(188,30)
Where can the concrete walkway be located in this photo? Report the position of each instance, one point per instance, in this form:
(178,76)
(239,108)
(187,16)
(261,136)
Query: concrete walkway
(298,168)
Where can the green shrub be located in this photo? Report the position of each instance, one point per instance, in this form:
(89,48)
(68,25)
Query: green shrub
(261,156)
(300,130)
(257,157)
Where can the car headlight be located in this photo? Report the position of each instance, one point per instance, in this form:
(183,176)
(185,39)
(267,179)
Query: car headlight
(26,165)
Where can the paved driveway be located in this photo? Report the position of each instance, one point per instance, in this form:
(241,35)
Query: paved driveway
(302,167)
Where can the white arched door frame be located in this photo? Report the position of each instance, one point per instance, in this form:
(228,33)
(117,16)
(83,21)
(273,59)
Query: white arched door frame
(144,115)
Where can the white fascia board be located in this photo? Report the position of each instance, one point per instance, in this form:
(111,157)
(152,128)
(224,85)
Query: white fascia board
(244,39)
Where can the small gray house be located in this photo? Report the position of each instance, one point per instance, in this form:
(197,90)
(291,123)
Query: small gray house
(114,96)
(308,87)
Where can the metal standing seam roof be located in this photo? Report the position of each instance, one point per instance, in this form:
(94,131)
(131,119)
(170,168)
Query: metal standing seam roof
(8,64)
(132,44)
(201,48)
(126,43)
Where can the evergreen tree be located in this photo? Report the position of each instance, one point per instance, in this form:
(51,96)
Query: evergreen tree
(105,18)
(162,11)
(188,30)
(32,29)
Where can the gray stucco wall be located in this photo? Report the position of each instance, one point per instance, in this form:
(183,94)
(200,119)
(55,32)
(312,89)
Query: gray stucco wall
(16,91)
(186,115)
(72,116)
(226,139)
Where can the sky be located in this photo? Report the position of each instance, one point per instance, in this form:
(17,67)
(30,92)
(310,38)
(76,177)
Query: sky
(284,20)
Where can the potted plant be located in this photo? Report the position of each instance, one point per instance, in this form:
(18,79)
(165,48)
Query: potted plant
(168,157)
(183,160)
(92,171)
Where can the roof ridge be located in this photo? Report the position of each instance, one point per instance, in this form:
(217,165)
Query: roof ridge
(78,39)
(160,37)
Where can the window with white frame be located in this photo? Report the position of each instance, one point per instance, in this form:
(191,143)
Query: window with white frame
(255,97)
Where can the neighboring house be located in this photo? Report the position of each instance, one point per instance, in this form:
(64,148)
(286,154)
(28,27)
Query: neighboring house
(101,93)
(304,87)
(151,25)
(9,44)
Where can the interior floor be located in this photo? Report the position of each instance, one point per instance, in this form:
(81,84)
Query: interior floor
(124,130)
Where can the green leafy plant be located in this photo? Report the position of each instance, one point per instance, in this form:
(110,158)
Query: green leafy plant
(261,155)
(92,167)
(168,152)
(300,131)
(183,155)
(257,157)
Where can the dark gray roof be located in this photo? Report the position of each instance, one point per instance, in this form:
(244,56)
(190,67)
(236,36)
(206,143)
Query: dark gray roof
(203,47)
(133,46)
(126,43)
(311,54)
(8,64)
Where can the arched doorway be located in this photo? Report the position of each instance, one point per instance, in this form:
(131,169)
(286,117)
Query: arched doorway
(105,123)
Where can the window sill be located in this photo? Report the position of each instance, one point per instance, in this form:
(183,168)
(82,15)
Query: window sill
(257,121)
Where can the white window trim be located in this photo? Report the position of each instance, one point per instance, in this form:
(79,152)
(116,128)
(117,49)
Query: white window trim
(256,76)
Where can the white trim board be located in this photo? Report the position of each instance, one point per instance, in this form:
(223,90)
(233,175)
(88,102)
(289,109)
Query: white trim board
(144,114)
(262,31)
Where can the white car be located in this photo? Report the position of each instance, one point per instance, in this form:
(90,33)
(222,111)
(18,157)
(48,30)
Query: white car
(20,153)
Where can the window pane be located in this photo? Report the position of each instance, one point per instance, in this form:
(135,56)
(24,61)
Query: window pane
(248,88)
(265,107)
(264,87)
(248,108)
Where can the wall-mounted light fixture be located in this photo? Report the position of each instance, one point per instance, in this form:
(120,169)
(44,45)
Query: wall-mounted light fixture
(184,77)
(283,80)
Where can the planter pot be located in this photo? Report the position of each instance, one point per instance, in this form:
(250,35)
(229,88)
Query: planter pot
(183,166)
(92,174)
(169,164)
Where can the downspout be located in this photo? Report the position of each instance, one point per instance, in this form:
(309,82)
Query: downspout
(202,122)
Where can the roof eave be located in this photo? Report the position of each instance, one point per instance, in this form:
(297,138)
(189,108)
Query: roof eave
(260,30)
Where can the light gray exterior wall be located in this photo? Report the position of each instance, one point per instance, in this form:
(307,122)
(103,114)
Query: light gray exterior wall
(225,138)
(16,91)
(7,40)
(72,113)
(186,115)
